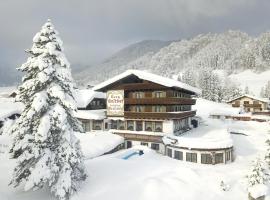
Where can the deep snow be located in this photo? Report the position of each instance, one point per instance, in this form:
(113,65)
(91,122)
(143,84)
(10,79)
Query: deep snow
(154,176)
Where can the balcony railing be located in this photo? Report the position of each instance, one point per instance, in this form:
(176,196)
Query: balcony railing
(252,105)
(160,101)
(159,115)
(139,137)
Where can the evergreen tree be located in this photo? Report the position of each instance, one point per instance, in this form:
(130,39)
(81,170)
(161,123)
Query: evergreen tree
(188,77)
(267,155)
(262,92)
(247,90)
(267,90)
(257,174)
(44,144)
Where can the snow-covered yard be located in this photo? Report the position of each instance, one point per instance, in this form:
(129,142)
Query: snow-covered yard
(154,176)
(151,175)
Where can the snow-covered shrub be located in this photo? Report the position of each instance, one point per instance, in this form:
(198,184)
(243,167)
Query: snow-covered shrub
(47,152)
(257,173)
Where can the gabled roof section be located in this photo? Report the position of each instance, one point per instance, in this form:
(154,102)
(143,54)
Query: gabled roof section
(84,96)
(251,97)
(149,77)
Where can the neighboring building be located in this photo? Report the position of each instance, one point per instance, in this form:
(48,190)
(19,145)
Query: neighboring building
(144,107)
(250,103)
(91,110)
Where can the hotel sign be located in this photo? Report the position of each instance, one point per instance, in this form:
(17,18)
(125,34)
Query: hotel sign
(115,103)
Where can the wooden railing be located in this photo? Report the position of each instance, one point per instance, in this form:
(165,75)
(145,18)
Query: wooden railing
(160,101)
(139,137)
(159,115)
(252,105)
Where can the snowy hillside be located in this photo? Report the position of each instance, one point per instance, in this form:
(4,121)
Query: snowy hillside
(232,52)
(254,81)
(121,58)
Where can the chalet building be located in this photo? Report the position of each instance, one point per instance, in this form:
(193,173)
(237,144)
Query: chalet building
(91,110)
(144,107)
(250,103)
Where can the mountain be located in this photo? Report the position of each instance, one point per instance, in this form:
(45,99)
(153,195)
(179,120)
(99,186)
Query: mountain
(231,52)
(132,52)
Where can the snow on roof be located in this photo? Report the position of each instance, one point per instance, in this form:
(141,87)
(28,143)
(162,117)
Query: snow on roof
(96,144)
(205,108)
(149,77)
(213,134)
(91,114)
(252,97)
(8,107)
(84,96)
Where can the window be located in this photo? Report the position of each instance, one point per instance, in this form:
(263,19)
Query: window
(144,143)
(86,126)
(138,95)
(114,124)
(228,156)
(218,158)
(246,102)
(139,126)
(158,108)
(255,102)
(178,155)
(153,126)
(128,144)
(139,109)
(121,125)
(155,146)
(158,126)
(169,152)
(206,158)
(148,126)
(159,94)
(97,124)
(130,125)
(191,157)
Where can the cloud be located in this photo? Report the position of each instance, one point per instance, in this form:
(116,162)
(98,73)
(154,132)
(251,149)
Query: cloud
(92,30)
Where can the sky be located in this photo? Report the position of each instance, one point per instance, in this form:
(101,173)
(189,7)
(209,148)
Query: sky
(92,30)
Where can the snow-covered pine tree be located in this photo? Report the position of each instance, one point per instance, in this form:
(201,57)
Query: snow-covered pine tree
(44,144)
(246,90)
(257,174)
(267,90)
(262,92)
(267,155)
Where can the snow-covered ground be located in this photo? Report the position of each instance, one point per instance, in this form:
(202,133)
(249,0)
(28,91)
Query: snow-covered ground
(254,81)
(154,176)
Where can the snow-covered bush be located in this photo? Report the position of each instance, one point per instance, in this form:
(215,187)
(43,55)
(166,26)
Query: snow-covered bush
(47,152)
(257,173)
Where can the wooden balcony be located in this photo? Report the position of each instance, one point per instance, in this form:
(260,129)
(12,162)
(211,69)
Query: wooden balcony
(139,137)
(159,115)
(236,105)
(160,101)
(252,105)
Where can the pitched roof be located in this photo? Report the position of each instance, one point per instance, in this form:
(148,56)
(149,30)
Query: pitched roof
(85,96)
(252,97)
(149,77)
